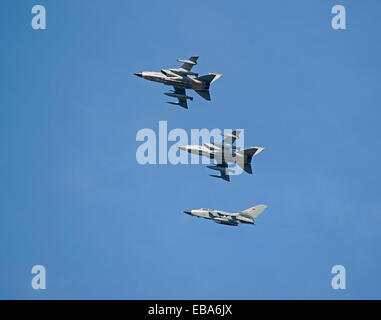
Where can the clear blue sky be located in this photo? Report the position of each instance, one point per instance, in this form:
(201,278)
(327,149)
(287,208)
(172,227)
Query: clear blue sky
(74,199)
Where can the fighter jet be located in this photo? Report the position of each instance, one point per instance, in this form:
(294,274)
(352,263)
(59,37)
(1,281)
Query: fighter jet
(232,219)
(224,154)
(182,78)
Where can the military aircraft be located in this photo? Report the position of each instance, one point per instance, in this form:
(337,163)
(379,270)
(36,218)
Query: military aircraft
(225,153)
(231,219)
(182,78)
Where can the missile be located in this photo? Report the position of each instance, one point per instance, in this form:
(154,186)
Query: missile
(177,95)
(226,221)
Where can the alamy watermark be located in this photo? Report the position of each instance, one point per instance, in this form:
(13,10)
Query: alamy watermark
(39,18)
(39,280)
(339,280)
(163,148)
(338,22)
(38,22)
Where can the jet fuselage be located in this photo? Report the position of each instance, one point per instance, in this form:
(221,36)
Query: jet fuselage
(227,155)
(171,79)
(222,217)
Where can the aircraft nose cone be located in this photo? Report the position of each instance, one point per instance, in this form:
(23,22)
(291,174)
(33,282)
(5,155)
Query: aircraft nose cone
(188,211)
(139,74)
(184,148)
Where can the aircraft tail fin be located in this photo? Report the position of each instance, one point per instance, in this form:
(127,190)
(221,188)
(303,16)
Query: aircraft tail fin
(255,211)
(246,155)
(210,77)
(236,133)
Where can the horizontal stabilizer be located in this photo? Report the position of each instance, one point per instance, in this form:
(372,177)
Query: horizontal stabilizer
(204,93)
(223,177)
(220,168)
(248,154)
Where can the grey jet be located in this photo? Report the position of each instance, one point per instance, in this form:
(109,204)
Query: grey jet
(182,78)
(225,153)
(232,219)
